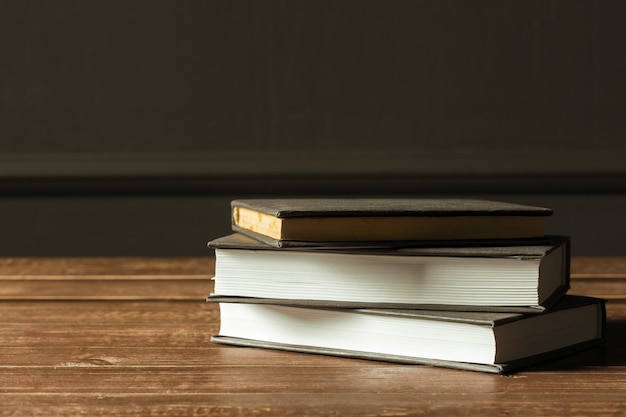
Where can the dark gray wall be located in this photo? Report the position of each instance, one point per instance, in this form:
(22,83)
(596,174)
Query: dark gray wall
(127,126)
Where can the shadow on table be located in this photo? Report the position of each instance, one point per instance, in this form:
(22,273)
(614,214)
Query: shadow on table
(612,352)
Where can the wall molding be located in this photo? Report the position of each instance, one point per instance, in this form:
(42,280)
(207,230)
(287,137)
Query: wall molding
(312,172)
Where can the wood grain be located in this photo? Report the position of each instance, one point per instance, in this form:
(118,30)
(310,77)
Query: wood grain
(599,277)
(96,352)
(106,278)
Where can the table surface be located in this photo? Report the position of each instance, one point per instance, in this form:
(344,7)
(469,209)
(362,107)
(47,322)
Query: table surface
(130,336)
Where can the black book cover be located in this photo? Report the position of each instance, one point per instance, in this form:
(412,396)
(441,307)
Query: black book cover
(349,207)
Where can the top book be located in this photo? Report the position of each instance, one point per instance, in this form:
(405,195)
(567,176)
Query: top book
(306,222)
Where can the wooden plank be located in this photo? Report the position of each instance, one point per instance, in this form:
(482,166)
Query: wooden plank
(88,313)
(367,379)
(201,266)
(106,278)
(600,267)
(203,356)
(122,287)
(599,277)
(485,403)
(607,289)
(371,390)
(121,277)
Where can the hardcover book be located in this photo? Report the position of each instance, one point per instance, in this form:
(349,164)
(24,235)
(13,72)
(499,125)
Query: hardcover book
(526,278)
(299,222)
(489,342)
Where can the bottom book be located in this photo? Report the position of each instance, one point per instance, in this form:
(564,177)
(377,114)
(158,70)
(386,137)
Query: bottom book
(488,342)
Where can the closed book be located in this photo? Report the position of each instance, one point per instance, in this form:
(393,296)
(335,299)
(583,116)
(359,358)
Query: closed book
(513,278)
(302,222)
(489,342)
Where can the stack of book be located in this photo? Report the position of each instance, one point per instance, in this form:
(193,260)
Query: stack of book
(468,284)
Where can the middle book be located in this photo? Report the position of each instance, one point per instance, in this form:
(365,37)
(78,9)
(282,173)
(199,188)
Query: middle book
(514,276)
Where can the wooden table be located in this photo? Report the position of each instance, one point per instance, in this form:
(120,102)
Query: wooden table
(117,336)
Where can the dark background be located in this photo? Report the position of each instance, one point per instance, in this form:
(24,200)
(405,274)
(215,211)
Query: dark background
(126,127)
